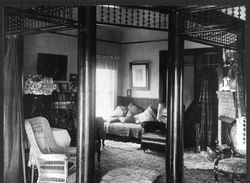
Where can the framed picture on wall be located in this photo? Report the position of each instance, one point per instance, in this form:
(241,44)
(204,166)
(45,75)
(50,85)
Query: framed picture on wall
(52,65)
(139,75)
(73,77)
(63,87)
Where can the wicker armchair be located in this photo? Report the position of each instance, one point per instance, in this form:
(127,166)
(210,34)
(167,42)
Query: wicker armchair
(50,159)
(231,159)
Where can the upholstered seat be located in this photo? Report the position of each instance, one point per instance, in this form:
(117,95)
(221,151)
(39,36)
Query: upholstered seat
(233,165)
(236,164)
(156,137)
(153,135)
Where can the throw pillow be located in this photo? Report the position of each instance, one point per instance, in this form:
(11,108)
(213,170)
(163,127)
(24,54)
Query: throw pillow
(133,109)
(147,115)
(127,119)
(119,111)
(161,112)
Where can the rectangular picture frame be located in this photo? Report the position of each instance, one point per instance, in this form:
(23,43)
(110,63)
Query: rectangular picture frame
(139,75)
(73,77)
(64,87)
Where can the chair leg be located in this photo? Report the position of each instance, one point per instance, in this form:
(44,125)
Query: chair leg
(99,150)
(32,173)
(233,177)
(103,144)
(216,174)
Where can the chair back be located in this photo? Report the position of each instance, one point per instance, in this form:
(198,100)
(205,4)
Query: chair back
(237,136)
(40,137)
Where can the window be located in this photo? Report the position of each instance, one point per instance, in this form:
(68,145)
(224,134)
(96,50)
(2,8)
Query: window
(106,85)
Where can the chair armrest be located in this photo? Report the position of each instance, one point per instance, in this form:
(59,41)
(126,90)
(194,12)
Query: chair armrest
(150,126)
(70,151)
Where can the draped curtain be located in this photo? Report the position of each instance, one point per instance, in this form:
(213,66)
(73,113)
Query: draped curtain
(240,80)
(207,82)
(13,153)
(106,85)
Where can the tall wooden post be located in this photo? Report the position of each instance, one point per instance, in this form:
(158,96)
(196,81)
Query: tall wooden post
(247,74)
(1,91)
(175,68)
(86,94)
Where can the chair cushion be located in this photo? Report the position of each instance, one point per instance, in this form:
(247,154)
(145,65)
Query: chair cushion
(127,119)
(233,165)
(156,138)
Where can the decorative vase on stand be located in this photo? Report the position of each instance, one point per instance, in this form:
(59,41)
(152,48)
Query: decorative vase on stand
(38,96)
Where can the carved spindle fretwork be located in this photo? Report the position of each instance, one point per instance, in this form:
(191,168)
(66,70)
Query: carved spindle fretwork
(132,16)
(114,14)
(143,17)
(108,14)
(102,13)
(154,19)
(138,18)
(120,15)
(239,12)
(165,21)
(159,20)
(233,11)
(126,16)
(149,16)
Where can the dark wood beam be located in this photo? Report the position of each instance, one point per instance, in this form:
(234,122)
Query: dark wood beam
(40,30)
(161,9)
(86,94)
(175,68)
(1,91)
(131,26)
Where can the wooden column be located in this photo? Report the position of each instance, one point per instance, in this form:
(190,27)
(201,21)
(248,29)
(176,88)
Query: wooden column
(247,77)
(1,91)
(175,68)
(163,77)
(86,94)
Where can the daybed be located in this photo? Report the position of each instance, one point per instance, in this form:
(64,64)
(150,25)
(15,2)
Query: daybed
(132,122)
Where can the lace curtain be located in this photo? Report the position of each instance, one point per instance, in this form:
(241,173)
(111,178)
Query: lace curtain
(13,119)
(106,85)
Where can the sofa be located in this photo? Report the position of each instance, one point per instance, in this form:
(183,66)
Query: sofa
(133,122)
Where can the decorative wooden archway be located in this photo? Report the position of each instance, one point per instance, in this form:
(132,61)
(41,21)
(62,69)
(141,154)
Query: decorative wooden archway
(50,19)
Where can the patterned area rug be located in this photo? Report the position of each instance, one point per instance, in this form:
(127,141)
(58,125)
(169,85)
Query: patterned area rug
(197,161)
(119,154)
